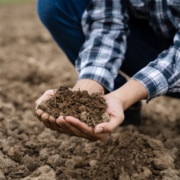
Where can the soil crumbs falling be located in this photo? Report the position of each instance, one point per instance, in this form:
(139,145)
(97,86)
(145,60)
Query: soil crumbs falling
(31,63)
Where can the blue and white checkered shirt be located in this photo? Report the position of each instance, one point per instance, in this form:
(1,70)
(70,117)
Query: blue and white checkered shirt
(105,25)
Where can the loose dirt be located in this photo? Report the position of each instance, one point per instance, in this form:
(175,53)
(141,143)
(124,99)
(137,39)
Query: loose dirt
(31,63)
(89,108)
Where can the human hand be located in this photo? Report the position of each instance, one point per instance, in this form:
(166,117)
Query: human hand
(101,131)
(74,127)
(115,111)
(117,101)
(48,121)
(68,125)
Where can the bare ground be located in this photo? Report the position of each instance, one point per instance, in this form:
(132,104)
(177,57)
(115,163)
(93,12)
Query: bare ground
(30,63)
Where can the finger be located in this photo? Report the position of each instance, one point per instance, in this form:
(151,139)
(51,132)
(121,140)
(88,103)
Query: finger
(81,126)
(71,129)
(52,119)
(66,127)
(108,127)
(49,121)
(85,130)
(47,95)
(54,125)
(38,113)
(45,120)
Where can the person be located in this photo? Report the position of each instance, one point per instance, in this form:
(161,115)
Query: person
(103,38)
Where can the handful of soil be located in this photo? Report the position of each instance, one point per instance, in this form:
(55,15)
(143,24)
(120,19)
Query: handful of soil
(89,108)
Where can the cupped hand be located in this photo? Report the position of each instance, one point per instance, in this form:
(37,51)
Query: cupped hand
(68,125)
(101,131)
(48,121)
(47,95)
(116,115)
(75,127)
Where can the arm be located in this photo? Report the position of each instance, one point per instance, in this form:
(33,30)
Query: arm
(105,28)
(157,78)
(130,93)
(162,75)
(118,101)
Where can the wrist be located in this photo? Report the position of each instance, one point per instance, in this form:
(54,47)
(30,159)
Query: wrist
(91,86)
(130,93)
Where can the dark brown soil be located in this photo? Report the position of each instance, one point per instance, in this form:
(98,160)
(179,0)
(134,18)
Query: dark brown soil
(31,63)
(89,108)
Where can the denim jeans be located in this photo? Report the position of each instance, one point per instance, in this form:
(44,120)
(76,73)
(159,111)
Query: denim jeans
(63,20)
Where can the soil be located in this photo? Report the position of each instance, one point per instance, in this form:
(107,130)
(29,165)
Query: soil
(89,108)
(31,63)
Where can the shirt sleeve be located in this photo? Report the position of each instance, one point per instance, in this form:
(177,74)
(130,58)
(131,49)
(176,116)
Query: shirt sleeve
(105,27)
(162,75)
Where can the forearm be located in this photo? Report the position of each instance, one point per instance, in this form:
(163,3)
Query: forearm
(130,93)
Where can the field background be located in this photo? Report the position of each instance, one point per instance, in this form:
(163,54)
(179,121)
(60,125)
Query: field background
(15,1)
(30,63)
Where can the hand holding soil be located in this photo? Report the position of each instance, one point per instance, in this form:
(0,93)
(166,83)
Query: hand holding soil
(88,108)
(28,150)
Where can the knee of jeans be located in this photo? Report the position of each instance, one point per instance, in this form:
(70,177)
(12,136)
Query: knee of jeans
(46,12)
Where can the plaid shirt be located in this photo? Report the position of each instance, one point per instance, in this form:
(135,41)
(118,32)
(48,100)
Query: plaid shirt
(105,25)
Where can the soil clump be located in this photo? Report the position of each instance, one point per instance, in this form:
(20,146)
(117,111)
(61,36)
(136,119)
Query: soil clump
(89,108)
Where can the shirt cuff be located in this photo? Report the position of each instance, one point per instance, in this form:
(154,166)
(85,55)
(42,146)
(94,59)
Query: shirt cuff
(99,74)
(153,80)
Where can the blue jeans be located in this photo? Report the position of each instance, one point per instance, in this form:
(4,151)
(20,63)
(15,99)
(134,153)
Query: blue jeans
(63,20)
